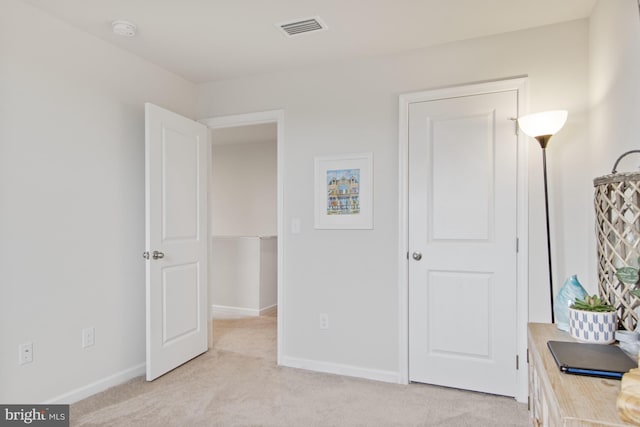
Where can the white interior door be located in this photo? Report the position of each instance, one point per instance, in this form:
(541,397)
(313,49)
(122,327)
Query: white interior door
(462,240)
(176,163)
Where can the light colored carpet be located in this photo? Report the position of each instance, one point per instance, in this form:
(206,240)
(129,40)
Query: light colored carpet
(238,384)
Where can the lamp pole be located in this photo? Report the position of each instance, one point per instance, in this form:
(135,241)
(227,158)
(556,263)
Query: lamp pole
(542,126)
(543,140)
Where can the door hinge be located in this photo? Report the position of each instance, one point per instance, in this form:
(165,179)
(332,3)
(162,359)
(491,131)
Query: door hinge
(527,355)
(517,245)
(517,362)
(407,255)
(515,125)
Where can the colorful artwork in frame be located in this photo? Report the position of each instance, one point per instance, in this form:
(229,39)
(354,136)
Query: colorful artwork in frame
(343,191)
(343,195)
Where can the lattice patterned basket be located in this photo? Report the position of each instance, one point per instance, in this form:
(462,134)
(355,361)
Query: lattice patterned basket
(617,204)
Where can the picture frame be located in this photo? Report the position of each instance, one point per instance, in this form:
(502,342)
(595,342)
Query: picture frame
(344,191)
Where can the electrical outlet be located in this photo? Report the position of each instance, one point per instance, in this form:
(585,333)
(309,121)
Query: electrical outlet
(88,337)
(324,321)
(25,353)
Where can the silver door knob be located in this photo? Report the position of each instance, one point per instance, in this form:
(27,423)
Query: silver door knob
(145,254)
(157,255)
(417,256)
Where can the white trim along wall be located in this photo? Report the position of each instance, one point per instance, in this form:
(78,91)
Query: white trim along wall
(519,84)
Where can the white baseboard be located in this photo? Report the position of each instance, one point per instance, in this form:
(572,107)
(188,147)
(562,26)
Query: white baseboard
(338,369)
(225,311)
(98,386)
(267,309)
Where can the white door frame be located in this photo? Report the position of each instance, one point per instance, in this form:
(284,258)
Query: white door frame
(522,292)
(277,117)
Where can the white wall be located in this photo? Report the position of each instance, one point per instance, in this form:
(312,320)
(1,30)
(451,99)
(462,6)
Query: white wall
(235,277)
(352,107)
(72,203)
(243,279)
(614,85)
(614,88)
(268,272)
(243,189)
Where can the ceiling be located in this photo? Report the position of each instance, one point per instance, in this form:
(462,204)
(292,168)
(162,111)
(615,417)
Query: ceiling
(207,40)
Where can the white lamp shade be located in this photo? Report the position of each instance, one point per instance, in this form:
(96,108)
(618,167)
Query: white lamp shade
(546,123)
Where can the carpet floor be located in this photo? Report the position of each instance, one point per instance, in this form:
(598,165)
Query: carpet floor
(237,383)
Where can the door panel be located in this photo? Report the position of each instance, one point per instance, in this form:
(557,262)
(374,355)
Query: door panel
(471,314)
(176,226)
(462,218)
(180,170)
(453,140)
(180,302)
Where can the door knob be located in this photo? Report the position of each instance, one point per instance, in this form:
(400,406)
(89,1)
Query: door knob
(157,255)
(417,256)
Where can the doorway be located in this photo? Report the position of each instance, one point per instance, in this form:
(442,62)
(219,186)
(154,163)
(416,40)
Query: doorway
(243,214)
(435,220)
(234,135)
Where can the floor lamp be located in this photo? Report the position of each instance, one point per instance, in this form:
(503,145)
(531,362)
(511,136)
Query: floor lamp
(542,126)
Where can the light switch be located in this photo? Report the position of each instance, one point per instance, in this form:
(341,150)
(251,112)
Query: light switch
(295,226)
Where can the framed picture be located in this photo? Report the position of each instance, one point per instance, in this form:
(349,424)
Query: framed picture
(344,191)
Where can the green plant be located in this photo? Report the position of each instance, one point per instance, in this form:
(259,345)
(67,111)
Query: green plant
(592,303)
(630,276)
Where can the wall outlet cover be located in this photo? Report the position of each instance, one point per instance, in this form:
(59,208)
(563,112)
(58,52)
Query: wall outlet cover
(25,353)
(324,321)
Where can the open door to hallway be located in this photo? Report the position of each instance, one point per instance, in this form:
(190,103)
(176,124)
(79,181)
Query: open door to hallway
(176,175)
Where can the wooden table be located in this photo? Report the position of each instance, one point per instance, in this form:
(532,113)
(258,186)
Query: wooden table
(558,399)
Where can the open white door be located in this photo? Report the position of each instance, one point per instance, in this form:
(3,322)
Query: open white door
(176,163)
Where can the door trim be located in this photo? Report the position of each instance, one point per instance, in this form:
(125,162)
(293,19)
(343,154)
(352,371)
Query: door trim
(277,117)
(519,84)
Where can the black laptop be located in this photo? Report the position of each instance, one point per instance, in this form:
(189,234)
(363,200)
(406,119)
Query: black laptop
(596,360)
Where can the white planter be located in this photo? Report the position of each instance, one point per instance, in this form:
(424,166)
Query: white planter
(592,326)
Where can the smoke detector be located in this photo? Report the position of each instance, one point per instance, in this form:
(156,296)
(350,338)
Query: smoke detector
(123,28)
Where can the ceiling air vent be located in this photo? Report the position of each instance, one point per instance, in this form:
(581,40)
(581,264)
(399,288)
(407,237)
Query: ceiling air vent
(302,26)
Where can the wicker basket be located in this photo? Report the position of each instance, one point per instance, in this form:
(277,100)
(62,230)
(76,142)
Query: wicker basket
(617,204)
